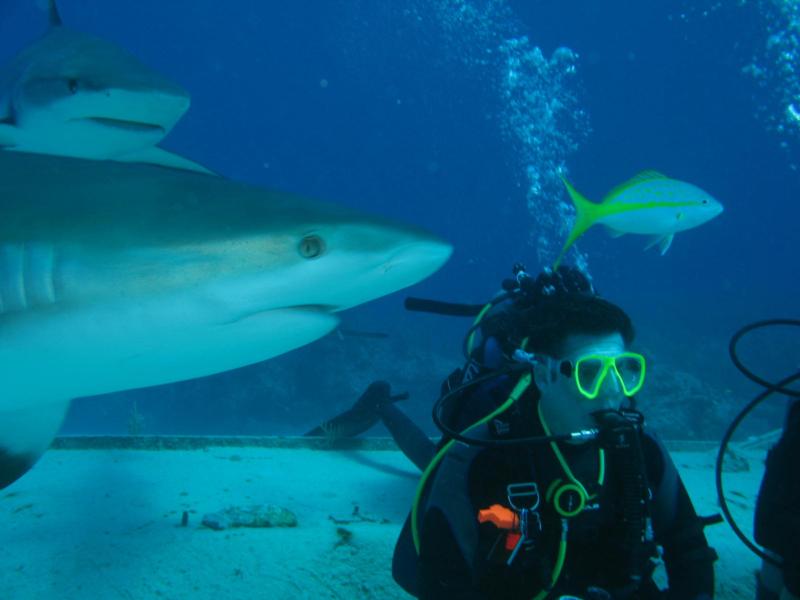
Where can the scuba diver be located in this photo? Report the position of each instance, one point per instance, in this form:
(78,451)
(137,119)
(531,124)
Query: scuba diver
(777,518)
(545,483)
(777,514)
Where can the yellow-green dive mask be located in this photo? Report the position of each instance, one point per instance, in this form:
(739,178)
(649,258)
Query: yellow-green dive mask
(591,370)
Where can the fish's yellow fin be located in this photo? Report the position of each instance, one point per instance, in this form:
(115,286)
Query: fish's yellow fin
(638,178)
(586,214)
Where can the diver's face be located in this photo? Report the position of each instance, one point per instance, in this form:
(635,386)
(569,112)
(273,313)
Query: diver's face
(563,407)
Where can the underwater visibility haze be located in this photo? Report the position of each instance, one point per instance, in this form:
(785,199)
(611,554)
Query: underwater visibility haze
(461,118)
(427,125)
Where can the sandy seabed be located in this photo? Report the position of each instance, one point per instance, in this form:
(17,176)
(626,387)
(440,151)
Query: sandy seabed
(106,524)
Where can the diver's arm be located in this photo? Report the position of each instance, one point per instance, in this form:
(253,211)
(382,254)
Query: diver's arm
(791,557)
(688,559)
(417,446)
(687,556)
(777,516)
(443,570)
(791,578)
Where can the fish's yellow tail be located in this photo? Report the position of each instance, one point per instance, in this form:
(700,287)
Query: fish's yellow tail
(586,214)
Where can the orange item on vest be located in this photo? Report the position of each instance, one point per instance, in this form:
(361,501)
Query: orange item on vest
(500,516)
(512,539)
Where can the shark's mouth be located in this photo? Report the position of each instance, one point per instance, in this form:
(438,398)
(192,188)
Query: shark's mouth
(297,308)
(126,125)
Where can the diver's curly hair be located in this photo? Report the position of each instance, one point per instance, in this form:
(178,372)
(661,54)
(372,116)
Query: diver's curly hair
(555,305)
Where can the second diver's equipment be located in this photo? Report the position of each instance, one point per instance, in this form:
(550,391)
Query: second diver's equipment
(781,387)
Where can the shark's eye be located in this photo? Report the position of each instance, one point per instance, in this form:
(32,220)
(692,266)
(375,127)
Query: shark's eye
(72,86)
(311,246)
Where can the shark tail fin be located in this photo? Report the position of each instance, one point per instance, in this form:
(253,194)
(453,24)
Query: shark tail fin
(26,431)
(586,215)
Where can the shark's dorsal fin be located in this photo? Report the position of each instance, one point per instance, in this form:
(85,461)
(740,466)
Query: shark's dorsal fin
(52,10)
(638,178)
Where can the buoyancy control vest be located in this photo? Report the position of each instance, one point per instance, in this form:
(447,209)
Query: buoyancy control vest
(460,488)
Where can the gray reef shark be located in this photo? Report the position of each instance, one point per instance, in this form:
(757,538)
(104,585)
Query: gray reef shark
(117,275)
(73,94)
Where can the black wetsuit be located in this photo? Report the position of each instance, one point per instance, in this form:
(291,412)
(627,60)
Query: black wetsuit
(777,518)
(460,558)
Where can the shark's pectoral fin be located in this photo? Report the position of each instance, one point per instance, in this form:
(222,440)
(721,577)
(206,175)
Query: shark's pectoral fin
(8,135)
(26,431)
(158,156)
(662,241)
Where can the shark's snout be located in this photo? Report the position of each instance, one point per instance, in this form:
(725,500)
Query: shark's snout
(419,256)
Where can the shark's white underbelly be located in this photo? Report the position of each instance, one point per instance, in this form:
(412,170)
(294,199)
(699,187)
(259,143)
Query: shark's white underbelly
(61,352)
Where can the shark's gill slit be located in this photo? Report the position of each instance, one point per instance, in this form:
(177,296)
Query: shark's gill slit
(27,276)
(38,274)
(12,286)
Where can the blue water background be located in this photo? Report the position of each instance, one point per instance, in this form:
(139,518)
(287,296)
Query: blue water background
(362,104)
